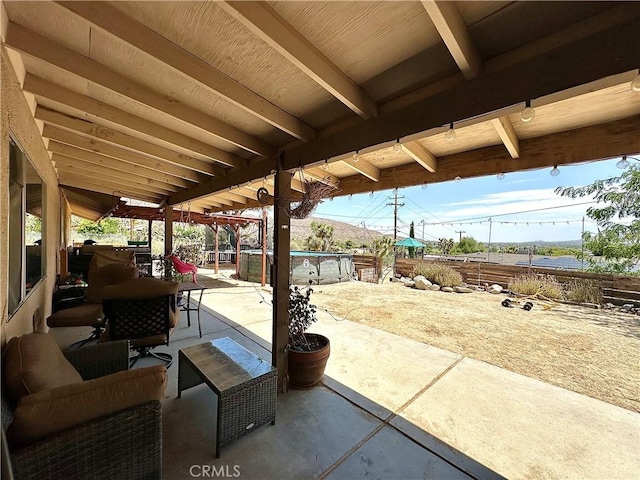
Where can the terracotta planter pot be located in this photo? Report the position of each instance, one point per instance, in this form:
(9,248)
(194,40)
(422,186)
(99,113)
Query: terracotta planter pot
(307,368)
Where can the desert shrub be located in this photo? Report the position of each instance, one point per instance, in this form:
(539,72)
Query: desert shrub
(584,290)
(532,284)
(437,273)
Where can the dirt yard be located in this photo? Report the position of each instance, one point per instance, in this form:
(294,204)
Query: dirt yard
(593,352)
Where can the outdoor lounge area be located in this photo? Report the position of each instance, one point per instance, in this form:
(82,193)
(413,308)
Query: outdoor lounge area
(389,407)
(204,108)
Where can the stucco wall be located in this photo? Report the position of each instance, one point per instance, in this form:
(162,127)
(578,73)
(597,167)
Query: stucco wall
(16,117)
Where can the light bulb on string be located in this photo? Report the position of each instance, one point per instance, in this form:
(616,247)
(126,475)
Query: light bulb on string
(623,162)
(500,176)
(457,179)
(424,186)
(371,195)
(397,147)
(451,133)
(554,171)
(356,157)
(635,84)
(325,165)
(350,196)
(528,113)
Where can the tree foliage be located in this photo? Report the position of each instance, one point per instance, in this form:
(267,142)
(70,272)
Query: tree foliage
(321,238)
(468,245)
(106,226)
(446,245)
(618,236)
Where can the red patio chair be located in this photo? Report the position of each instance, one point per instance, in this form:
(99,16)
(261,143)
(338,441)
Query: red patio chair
(183,267)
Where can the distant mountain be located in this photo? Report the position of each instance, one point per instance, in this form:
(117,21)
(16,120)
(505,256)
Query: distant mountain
(301,229)
(543,243)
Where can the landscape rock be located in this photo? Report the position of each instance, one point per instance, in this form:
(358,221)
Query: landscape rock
(410,283)
(495,288)
(447,289)
(434,287)
(463,290)
(422,283)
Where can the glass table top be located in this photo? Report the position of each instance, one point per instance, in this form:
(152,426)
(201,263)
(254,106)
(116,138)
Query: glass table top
(225,363)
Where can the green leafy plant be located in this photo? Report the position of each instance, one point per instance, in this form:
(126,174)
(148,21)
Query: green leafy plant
(443,275)
(302,314)
(532,284)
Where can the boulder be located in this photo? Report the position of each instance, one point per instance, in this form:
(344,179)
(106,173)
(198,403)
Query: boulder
(422,283)
(462,290)
(447,289)
(495,288)
(435,287)
(410,283)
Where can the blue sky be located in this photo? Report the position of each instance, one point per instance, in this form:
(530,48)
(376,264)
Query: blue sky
(467,205)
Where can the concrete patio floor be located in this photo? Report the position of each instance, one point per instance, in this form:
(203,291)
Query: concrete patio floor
(389,408)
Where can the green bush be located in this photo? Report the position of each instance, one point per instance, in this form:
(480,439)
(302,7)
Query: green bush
(535,284)
(437,273)
(584,290)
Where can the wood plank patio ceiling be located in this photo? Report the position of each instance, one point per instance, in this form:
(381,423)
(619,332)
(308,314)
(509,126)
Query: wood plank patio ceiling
(189,102)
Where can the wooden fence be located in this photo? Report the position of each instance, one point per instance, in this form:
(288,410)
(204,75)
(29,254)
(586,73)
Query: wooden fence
(616,289)
(368,268)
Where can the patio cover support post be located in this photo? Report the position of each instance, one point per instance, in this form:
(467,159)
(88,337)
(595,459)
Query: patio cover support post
(217,260)
(236,228)
(149,235)
(264,246)
(280,275)
(168,233)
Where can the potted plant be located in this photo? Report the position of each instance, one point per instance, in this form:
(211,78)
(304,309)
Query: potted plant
(308,352)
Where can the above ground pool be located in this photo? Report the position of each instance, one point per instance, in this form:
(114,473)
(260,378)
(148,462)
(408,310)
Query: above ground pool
(307,268)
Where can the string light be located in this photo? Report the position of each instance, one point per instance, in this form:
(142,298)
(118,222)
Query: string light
(457,179)
(500,176)
(528,113)
(623,162)
(635,84)
(424,186)
(371,195)
(356,157)
(554,171)
(397,147)
(325,165)
(451,133)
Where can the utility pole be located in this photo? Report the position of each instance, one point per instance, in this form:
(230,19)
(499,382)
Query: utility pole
(582,245)
(460,232)
(489,250)
(395,224)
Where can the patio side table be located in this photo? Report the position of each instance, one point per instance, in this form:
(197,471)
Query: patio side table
(245,385)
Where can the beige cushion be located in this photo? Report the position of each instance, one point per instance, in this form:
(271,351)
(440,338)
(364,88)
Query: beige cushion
(145,287)
(86,315)
(110,274)
(43,414)
(34,363)
(102,258)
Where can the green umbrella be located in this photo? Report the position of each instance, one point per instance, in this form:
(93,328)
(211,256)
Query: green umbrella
(409,242)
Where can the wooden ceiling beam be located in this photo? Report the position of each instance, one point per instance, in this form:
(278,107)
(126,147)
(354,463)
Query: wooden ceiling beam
(363,168)
(320,175)
(451,27)
(233,196)
(507,134)
(106,134)
(30,43)
(55,133)
(71,165)
(264,21)
(121,26)
(42,88)
(420,154)
(602,54)
(96,159)
(586,144)
(110,188)
(579,62)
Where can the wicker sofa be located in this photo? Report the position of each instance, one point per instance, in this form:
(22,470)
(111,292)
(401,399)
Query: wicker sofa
(105,426)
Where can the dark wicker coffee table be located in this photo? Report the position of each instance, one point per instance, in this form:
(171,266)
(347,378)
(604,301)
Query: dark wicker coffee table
(246,386)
